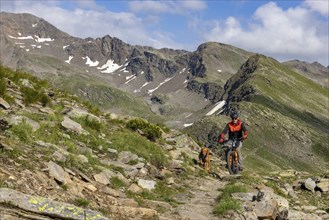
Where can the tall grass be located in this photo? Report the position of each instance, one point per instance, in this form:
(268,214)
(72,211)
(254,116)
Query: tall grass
(226,202)
(124,140)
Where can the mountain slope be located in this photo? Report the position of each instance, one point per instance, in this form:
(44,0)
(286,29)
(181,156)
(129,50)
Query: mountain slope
(288,126)
(31,44)
(314,71)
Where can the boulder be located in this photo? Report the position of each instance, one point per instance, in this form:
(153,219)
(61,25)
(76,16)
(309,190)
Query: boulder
(46,207)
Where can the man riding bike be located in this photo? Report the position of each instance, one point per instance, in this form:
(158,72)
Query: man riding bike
(237,132)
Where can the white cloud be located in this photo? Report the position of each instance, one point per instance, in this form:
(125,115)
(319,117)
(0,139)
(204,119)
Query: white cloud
(150,6)
(295,33)
(320,6)
(282,34)
(86,23)
(193,5)
(172,7)
(86,4)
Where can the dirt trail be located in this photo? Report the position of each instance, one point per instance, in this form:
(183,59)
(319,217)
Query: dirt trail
(199,203)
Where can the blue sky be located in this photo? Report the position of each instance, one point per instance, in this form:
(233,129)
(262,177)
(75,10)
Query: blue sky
(284,30)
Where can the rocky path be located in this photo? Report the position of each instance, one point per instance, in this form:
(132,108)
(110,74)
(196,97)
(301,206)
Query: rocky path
(199,202)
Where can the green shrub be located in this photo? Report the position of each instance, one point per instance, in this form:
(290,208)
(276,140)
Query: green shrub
(92,123)
(151,131)
(129,141)
(92,108)
(225,205)
(32,96)
(117,183)
(44,99)
(81,202)
(22,131)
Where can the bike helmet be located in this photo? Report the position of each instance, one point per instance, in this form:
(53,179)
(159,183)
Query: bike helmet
(234,115)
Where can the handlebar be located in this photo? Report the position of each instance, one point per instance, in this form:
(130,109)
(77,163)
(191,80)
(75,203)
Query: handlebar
(227,140)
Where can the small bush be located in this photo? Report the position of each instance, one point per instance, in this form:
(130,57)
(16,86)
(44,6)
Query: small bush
(22,131)
(117,183)
(128,141)
(225,205)
(93,124)
(32,96)
(44,99)
(151,131)
(92,108)
(81,202)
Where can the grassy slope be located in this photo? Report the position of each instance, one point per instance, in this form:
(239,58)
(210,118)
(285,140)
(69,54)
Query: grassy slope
(288,125)
(93,89)
(221,57)
(107,97)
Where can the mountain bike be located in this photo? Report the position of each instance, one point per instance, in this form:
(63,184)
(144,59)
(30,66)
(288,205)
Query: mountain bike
(232,156)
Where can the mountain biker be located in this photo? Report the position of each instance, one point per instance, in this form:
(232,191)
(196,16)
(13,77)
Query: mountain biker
(237,132)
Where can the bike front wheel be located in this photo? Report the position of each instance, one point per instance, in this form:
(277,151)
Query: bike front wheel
(232,160)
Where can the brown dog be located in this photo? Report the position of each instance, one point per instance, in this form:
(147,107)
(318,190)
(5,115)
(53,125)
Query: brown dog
(204,158)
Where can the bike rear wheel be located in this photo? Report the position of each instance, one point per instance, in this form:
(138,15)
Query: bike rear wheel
(232,160)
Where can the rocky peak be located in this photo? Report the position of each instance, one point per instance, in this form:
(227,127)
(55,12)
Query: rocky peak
(314,71)
(235,88)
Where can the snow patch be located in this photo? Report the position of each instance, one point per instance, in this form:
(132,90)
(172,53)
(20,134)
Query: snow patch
(90,62)
(109,67)
(34,25)
(22,46)
(134,77)
(21,38)
(19,43)
(183,70)
(145,84)
(219,71)
(152,90)
(218,106)
(142,72)
(69,60)
(124,70)
(187,125)
(19,34)
(185,81)
(188,115)
(129,77)
(65,46)
(40,40)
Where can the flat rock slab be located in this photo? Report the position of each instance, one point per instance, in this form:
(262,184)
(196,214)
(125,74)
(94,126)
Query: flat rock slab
(47,207)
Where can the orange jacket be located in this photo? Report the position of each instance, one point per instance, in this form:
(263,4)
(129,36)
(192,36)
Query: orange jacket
(236,131)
